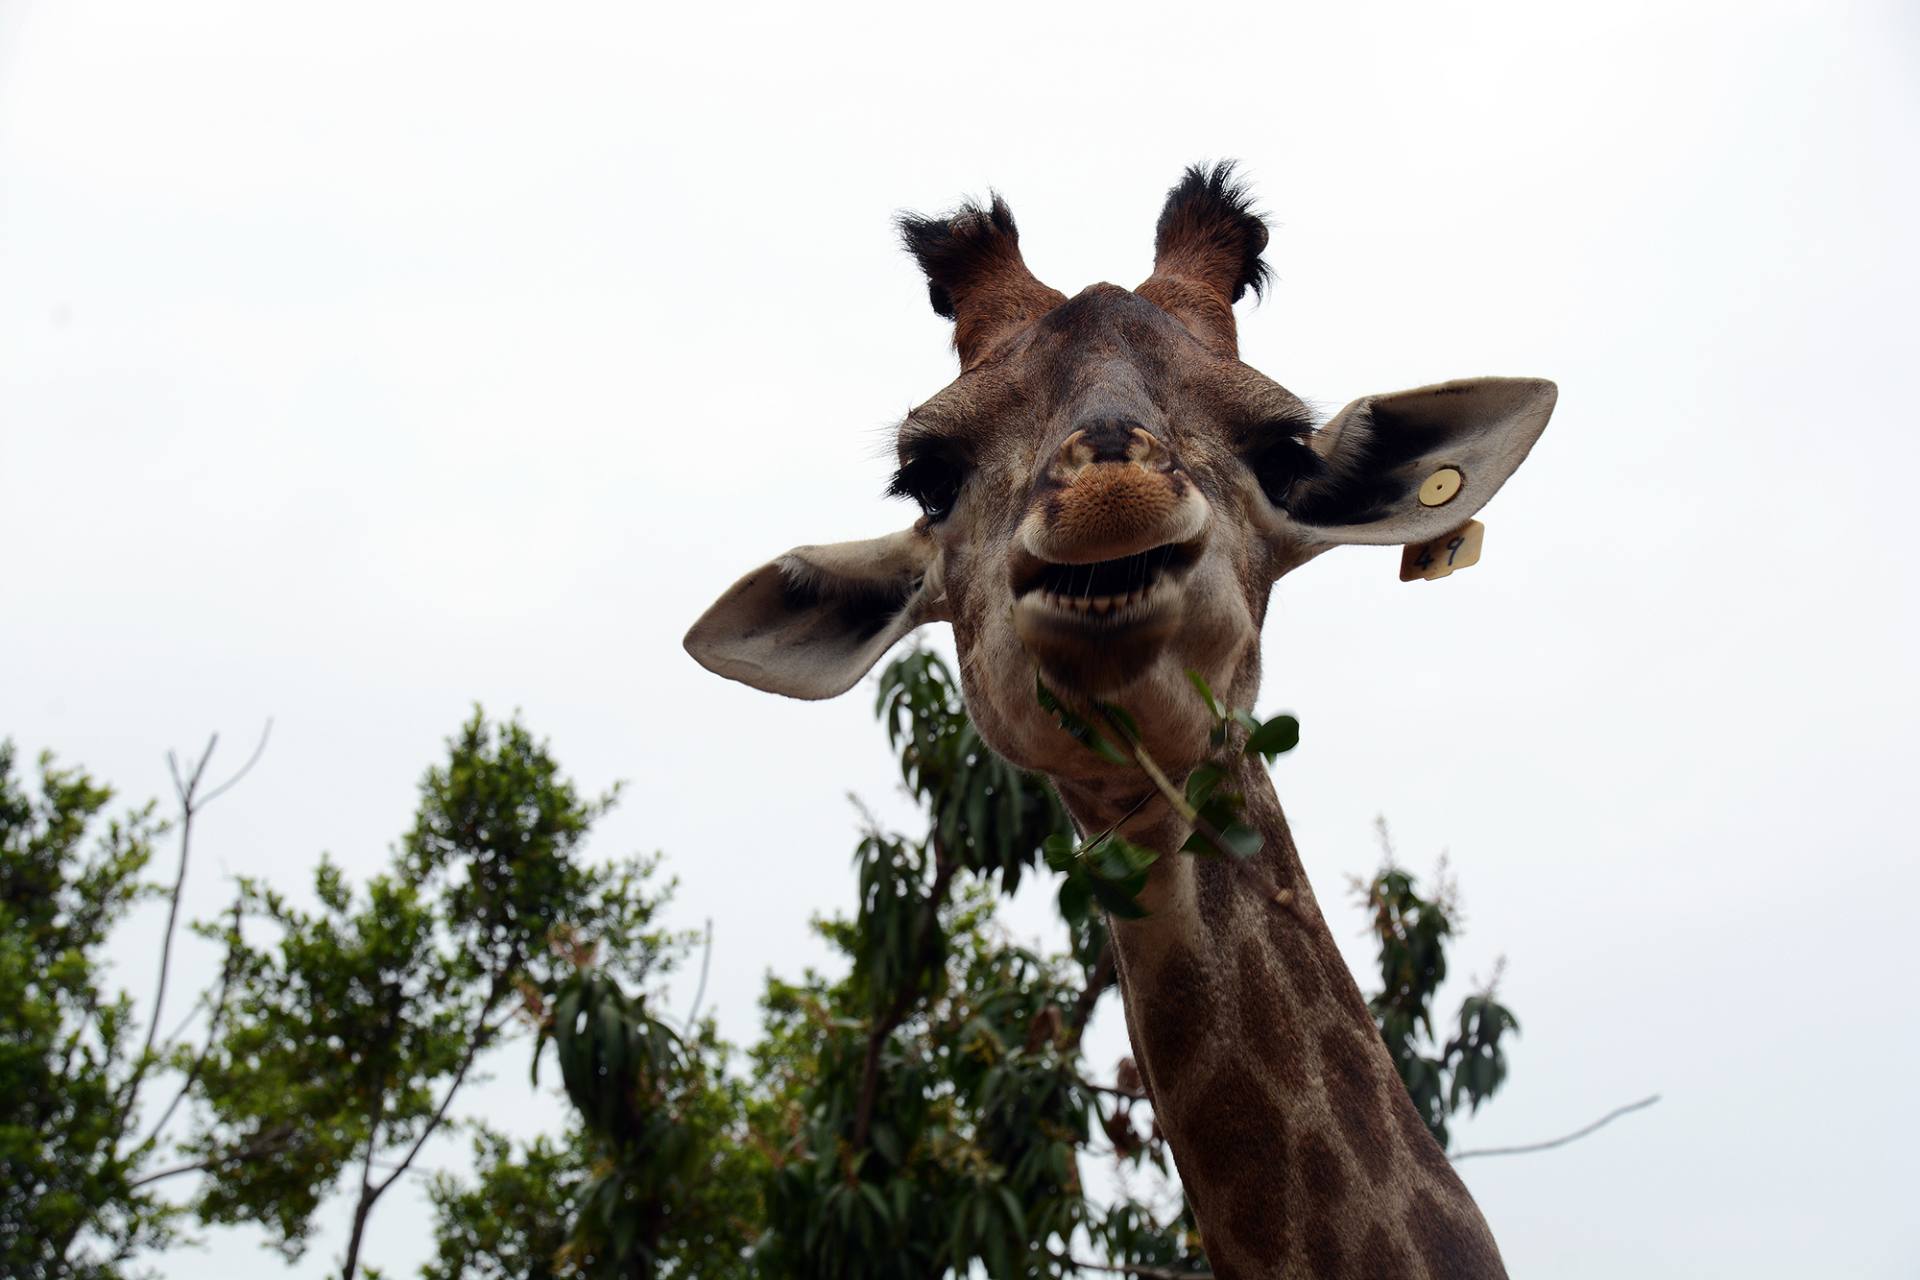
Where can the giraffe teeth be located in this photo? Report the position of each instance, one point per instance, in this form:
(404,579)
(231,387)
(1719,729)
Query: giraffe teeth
(1092,606)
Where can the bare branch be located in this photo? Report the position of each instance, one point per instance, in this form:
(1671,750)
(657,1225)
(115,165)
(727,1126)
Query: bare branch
(170,1172)
(187,790)
(1144,1273)
(368,1193)
(1577,1134)
(191,803)
(700,992)
(219,1008)
(1131,1095)
(480,1040)
(258,1147)
(259,749)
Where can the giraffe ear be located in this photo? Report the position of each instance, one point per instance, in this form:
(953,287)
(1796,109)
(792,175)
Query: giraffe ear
(1411,465)
(812,622)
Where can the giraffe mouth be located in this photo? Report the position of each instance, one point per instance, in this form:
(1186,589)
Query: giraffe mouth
(1109,592)
(1094,628)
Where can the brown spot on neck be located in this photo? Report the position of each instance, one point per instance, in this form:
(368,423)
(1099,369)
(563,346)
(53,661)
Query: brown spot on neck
(1359,1107)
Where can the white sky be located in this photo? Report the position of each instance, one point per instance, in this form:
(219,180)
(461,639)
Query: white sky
(363,361)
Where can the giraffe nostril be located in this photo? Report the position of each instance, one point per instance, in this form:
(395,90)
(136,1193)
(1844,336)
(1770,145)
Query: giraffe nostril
(1110,440)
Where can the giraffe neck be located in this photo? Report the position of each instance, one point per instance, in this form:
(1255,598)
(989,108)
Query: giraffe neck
(1297,1144)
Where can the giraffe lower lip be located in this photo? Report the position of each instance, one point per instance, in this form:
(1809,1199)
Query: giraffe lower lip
(1094,627)
(1053,621)
(1082,646)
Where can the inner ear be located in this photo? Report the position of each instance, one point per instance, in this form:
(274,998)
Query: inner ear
(852,611)
(1378,453)
(812,622)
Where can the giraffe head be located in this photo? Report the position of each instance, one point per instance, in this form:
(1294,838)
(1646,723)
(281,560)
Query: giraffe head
(1107,494)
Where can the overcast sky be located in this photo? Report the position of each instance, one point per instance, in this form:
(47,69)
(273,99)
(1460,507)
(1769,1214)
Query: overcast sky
(359,362)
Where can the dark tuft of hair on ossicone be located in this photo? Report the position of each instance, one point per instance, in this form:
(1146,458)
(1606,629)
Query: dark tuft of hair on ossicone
(1209,213)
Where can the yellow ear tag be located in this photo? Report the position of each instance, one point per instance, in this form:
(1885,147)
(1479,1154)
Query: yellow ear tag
(1438,557)
(1440,488)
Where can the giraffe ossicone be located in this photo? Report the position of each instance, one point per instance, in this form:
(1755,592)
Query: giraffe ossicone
(1108,495)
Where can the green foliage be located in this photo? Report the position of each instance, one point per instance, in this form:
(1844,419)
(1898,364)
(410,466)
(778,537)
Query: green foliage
(514,1220)
(356,1021)
(930,1112)
(987,815)
(672,1188)
(924,1114)
(344,1031)
(498,837)
(1218,827)
(69,1200)
(1412,933)
(978,1116)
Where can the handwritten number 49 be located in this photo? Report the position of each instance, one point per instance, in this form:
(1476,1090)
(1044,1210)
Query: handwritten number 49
(1453,549)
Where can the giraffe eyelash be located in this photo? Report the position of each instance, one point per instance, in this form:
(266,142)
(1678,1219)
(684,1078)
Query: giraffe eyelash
(931,477)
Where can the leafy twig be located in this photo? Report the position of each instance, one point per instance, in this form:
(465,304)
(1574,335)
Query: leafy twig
(1178,801)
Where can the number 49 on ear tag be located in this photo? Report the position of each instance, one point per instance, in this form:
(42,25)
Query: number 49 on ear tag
(1440,556)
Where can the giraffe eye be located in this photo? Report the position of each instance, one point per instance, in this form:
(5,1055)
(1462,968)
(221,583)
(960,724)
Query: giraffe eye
(1279,457)
(933,478)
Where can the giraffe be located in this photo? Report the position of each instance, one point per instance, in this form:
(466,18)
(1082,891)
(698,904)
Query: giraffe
(1107,497)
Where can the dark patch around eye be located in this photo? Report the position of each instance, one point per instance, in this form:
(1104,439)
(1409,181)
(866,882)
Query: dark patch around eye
(1280,458)
(932,476)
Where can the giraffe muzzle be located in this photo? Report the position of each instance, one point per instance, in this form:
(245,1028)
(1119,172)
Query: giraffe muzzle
(1090,512)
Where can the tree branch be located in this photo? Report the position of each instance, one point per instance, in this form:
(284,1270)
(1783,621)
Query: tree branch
(170,1172)
(482,1037)
(1114,1090)
(700,992)
(1577,1134)
(1126,1269)
(259,749)
(184,790)
(191,802)
(260,1146)
(364,1207)
(200,1059)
